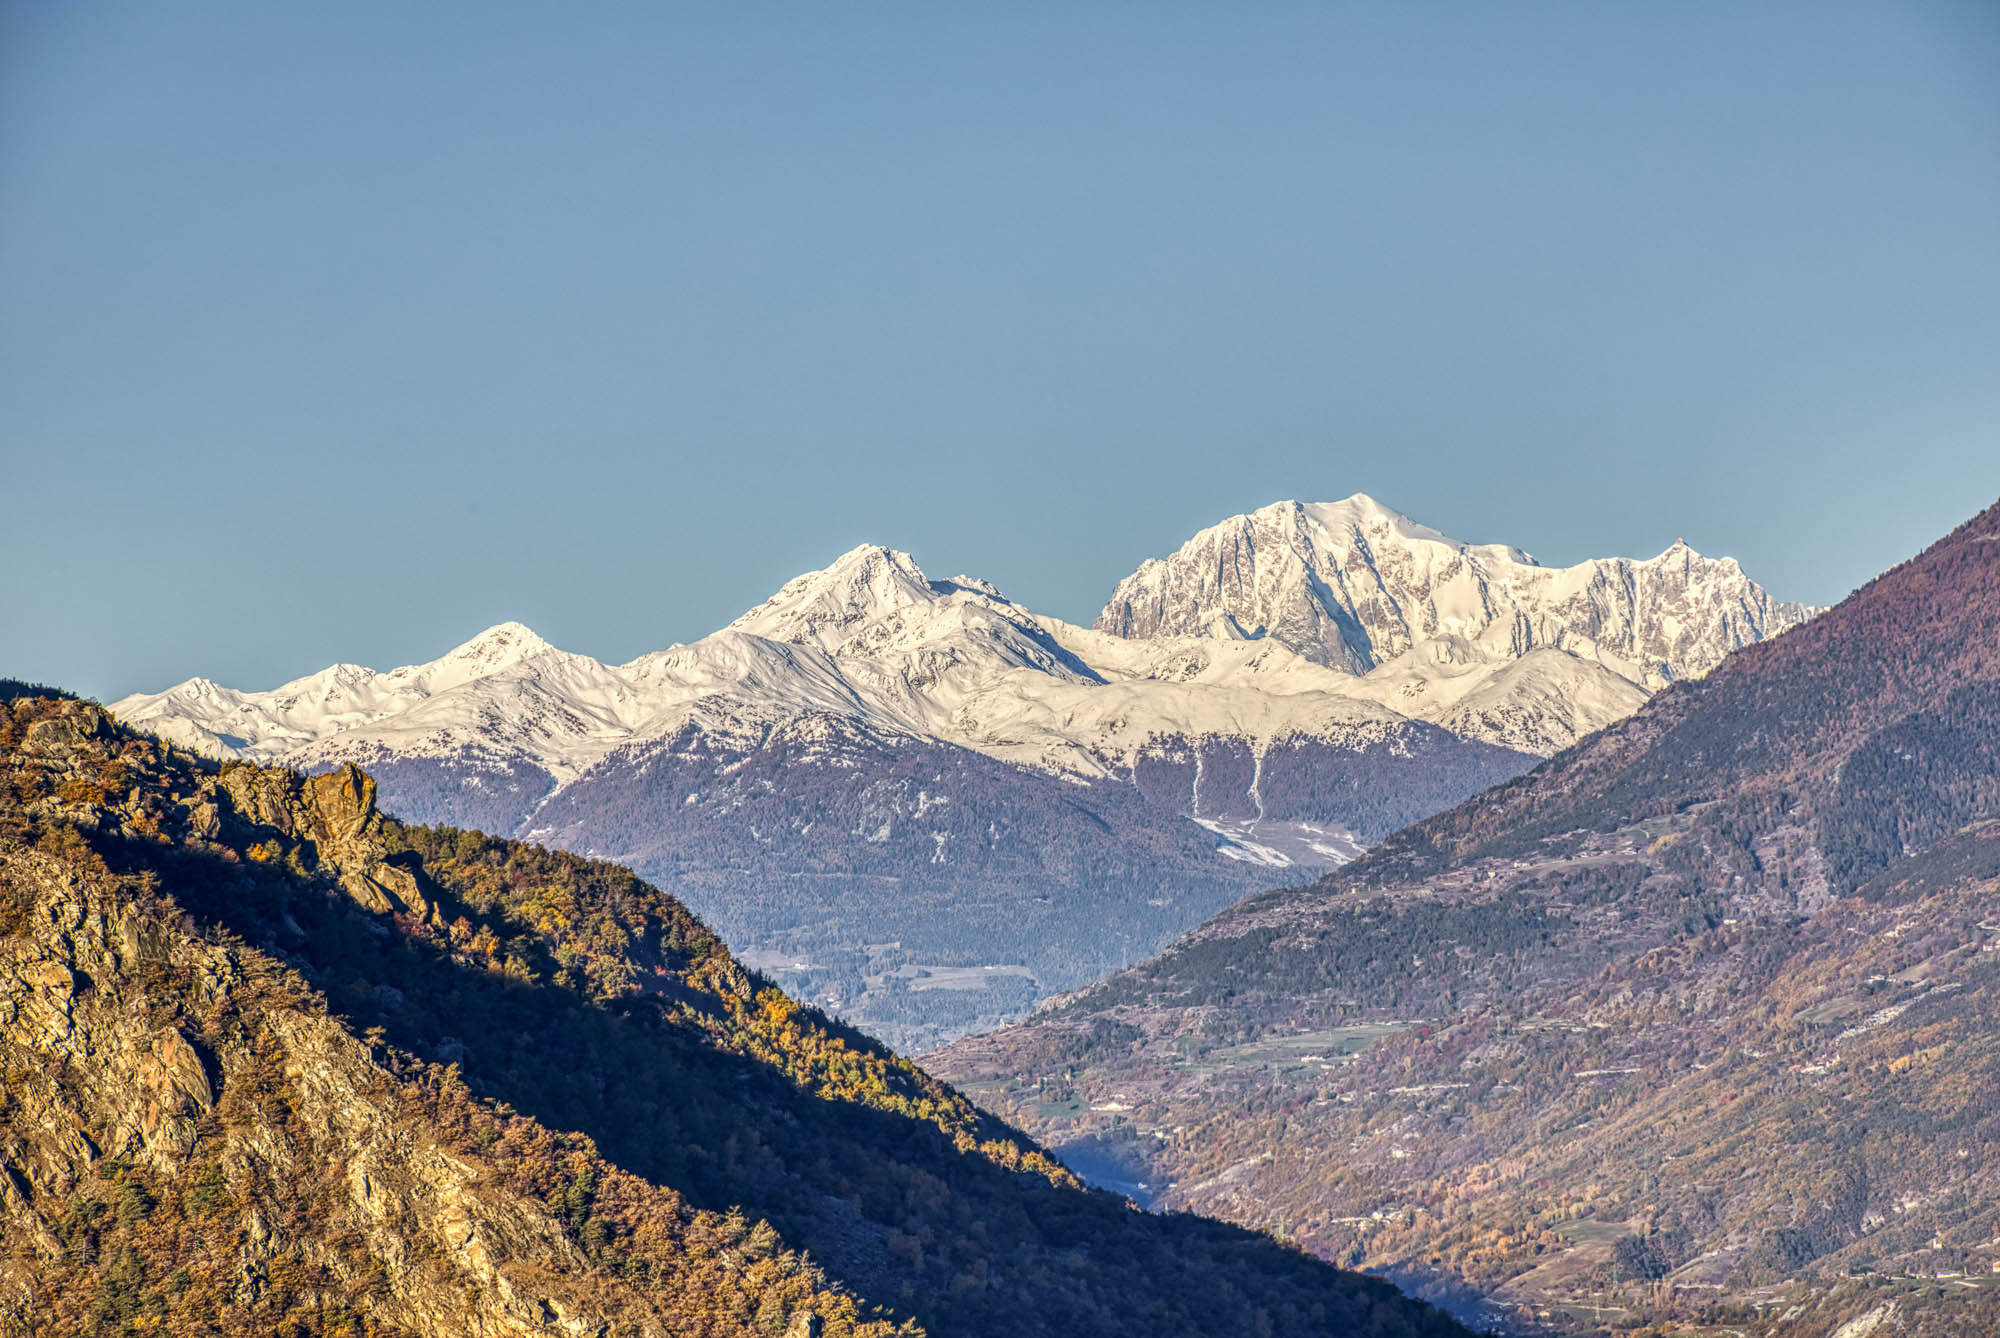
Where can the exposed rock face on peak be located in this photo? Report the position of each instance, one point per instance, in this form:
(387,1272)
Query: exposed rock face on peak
(1355,585)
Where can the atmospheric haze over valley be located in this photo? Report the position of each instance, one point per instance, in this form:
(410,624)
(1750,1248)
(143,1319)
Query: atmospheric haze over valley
(1148,671)
(926,808)
(1605,949)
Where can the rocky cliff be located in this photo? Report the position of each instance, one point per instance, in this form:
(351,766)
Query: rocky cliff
(191,1141)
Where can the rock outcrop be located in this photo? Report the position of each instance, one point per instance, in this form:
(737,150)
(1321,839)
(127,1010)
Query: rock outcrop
(189,1140)
(334,814)
(126,1044)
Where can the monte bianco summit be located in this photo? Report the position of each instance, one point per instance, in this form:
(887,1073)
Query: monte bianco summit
(875,757)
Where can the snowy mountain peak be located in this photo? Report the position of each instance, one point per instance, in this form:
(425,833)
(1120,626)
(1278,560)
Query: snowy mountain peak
(1354,585)
(498,648)
(1361,516)
(1683,555)
(1321,577)
(821,607)
(501,644)
(1295,620)
(973,584)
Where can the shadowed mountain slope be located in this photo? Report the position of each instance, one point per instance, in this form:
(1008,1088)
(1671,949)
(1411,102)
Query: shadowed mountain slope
(1701,1013)
(273,1062)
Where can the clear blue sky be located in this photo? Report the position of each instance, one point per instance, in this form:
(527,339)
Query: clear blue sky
(342,331)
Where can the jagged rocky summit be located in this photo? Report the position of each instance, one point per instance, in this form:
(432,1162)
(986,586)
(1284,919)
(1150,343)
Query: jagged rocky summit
(1436,627)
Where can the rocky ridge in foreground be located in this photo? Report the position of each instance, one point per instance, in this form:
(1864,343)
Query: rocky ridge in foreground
(273,1062)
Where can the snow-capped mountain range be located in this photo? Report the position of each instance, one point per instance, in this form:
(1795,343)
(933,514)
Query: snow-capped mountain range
(869,639)
(1297,681)
(1333,619)
(1479,638)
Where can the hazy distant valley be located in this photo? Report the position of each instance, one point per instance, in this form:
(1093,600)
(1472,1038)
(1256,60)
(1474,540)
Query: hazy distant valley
(663,673)
(1686,1028)
(925,807)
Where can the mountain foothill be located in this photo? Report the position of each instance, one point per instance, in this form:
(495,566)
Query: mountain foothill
(1693,1028)
(274,1062)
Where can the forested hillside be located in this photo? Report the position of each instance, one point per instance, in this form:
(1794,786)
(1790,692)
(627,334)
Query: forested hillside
(1697,1022)
(274,1062)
